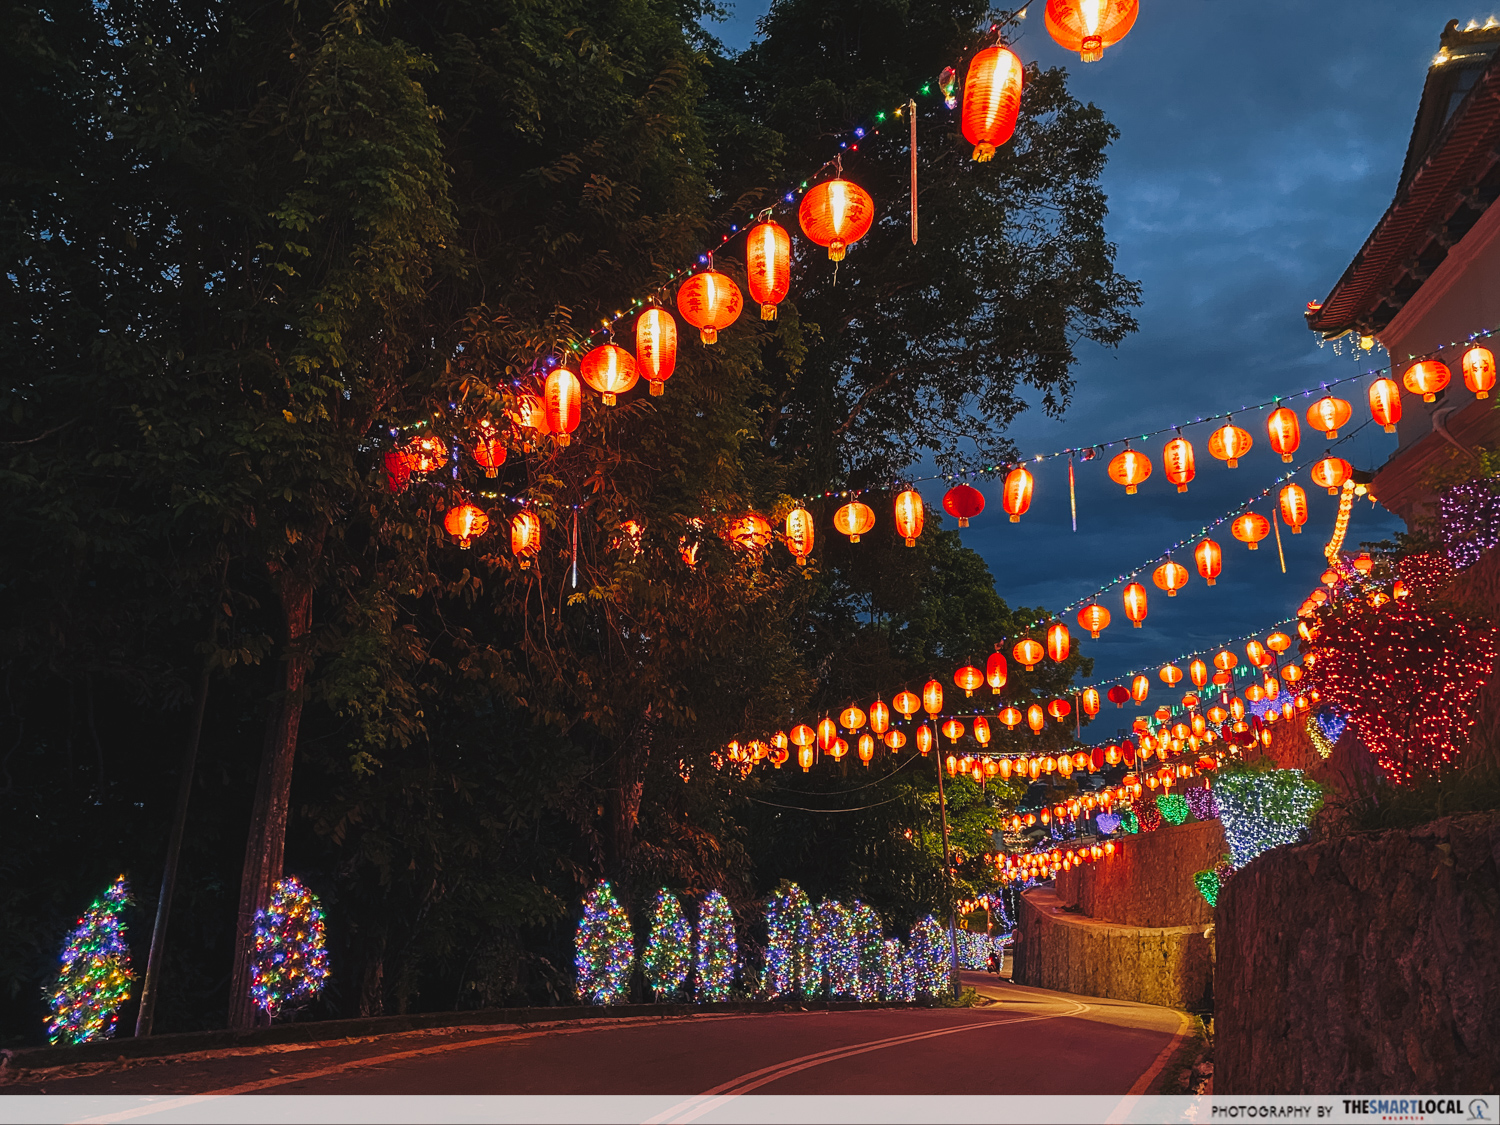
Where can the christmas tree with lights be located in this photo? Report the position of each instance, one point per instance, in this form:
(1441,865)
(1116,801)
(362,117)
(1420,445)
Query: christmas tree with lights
(791,955)
(95,977)
(716,948)
(290,962)
(669,950)
(604,949)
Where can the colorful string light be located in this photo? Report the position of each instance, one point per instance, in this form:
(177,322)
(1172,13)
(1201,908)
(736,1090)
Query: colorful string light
(1262,809)
(838,950)
(716,948)
(1173,807)
(931,960)
(290,961)
(668,958)
(95,977)
(1201,802)
(1469,520)
(603,949)
(869,942)
(791,956)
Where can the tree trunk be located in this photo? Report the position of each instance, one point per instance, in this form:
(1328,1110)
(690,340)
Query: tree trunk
(268,817)
(623,802)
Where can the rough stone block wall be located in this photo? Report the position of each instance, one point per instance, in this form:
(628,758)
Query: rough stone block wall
(1071,953)
(1363,963)
(1149,879)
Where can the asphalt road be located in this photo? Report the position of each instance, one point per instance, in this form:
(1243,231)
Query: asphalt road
(1025,1041)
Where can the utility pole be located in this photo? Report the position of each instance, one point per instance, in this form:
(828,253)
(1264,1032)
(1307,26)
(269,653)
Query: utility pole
(948,870)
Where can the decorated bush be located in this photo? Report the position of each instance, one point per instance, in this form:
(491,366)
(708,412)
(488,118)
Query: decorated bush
(931,958)
(716,948)
(290,963)
(95,977)
(1261,808)
(668,958)
(869,940)
(604,949)
(792,966)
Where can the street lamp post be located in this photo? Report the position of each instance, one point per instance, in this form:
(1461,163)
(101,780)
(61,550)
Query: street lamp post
(948,873)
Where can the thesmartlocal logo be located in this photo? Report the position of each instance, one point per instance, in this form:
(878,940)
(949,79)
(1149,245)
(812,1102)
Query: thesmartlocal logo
(1418,1109)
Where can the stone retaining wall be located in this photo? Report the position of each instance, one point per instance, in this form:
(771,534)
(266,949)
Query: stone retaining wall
(1364,963)
(1149,879)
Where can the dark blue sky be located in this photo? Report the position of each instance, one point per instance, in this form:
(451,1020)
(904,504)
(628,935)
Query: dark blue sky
(1259,145)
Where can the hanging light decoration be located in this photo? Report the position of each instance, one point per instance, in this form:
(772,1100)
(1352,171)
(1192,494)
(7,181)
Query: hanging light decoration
(1059,709)
(1198,673)
(1225,661)
(1178,463)
(852,719)
(953,730)
(1140,687)
(924,739)
(963,502)
(1255,652)
(854,519)
(1093,618)
(1089,26)
(932,697)
(992,100)
(982,731)
(894,740)
(710,301)
(1118,695)
(1130,468)
(1331,473)
(1229,443)
(1427,377)
(425,454)
(799,534)
(1058,641)
(907,702)
(656,347)
(1016,496)
(866,748)
(1294,507)
(1385,403)
(768,266)
(530,417)
(563,395)
(610,370)
(1278,642)
(1035,718)
(525,537)
(488,449)
(1284,432)
(1028,653)
(828,734)
(836,213)
(1250,529)
(1329,414)
(1170,674)
(1479,371)
(1135,603)
(466,522)
(1171,577)
(880,717)
(1011,717)
(1088,699)
(995,672)
(968,677)
(1210,559)
(910,515)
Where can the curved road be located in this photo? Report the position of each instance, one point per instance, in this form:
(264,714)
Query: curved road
(1024,1041)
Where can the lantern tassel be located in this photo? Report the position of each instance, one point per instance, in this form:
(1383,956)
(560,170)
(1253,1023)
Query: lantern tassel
(1276,525)
(1072,492)
(575,548)
(911,112)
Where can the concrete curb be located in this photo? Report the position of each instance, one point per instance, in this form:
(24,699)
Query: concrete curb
(114,1050)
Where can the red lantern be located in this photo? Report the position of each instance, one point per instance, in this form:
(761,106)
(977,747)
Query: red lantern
(836,213)
(982,732)
(610,370)
(1093,618)
(1135,603)
(1011,717)
(1170,674)
(992,100)
(1016,496)
(1177,460)
(710,301)
(1427,377)
(1285,434)
(1129,469)
(1294,507)
(425,454)
(968,677)
(1089,26)
(1140,687)
(768,266)
(880,717)
(1225,661)
(563,395)
(963,502)
(907,702)
(488,450)
(932,697)
(910,516)
(1035,719)
(1118,695)
(1479,371)
(1331,473)
(1089,701)
(525,537)
(466,522)
(799,534)
(656,347)
(1229,443)
(953,730)
(924,739)
(1028,653)
(854,519)
(995,672)
(1210,559)
(1198,673)
(1328,414)
(1385,403)
(750,533)
(1058,642)
(1059,709)
(828,734)
(530,414)
(397,470)
(1250,529)
(1171,577)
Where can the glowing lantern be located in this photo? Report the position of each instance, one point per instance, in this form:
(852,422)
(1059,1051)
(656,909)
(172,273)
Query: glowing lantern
(982,731)
(1479,371)
(1385,403)
(992,99)
(1171,675)
(894,740)
(799,534)
(1294,507)
(1331,473)
(963,502)
(866,748)
(525,537)
(828,733)
(425,454)
(932,697)
(750,533)
(968,677)
(1065,768)
(838,749)
(1217,714)
(1198,673)
(953,730)
(1089,701)
(710,301)
(1329,578)
(1291,673)
(805,757)
(995,672)
(802,735)
(563,395)
(768,266)
(1364,564)
(1028,653)
(1328,414)
(1035,719)
(610,370)
(1237,708)
(1178,462)
(1171,577)
(1427,377)
(1130,469)
(1089,26)
(1285,434)
(1118,695)
(1059,709)
(880,717)
(487,449)
(1135,603)
(924,739)
(907,703)
(1011,717)
(1225,661)
(466,522)
(1015,497)
(909,516)
(1256,652)
(1278,642)
(1140,687)
(1200,726)
(1229,443)
(1093,618)
(852,719)
(1210,559)
(854,519)
(656,347)
(1250,529)
(1058,641)
(836,213)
